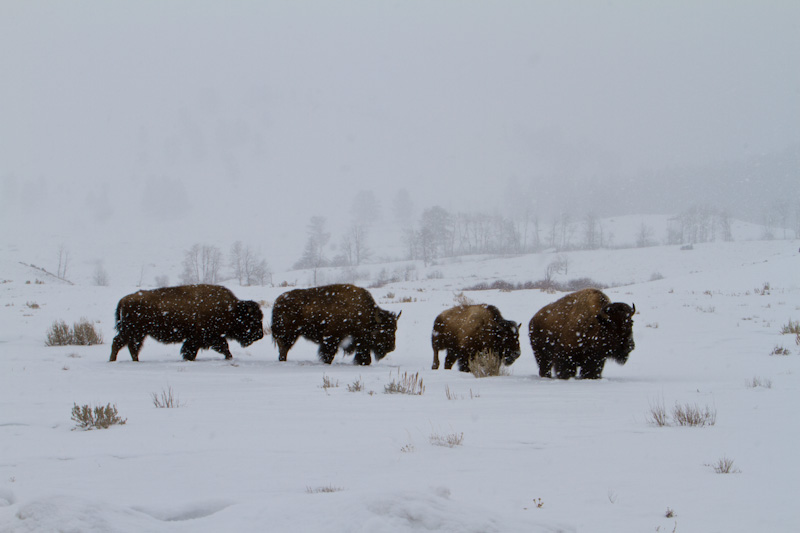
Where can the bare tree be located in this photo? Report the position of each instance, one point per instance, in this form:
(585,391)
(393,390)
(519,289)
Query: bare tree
(591,232)
(63,262)
(314,252)
(248,267)
(201,264)
(403,208)
(354,245)
(100,277)
(644,237)
(436,233)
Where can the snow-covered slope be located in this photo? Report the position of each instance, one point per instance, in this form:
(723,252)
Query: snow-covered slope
(259,445)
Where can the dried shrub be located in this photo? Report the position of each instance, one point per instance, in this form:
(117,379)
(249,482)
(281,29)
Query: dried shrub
(791,328)
(658,414)
(462,299)
(692,415)
(780,350)
(82,333)
(99,417)
(58,335)
(486,364)
(405,384)
(547,285)
(681,415)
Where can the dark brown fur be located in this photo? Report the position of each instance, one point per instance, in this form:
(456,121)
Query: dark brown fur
(327,316)
(581,329)
(467,330)
(199,316)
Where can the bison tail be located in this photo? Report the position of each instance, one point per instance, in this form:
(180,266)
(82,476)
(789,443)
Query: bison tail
(116,318)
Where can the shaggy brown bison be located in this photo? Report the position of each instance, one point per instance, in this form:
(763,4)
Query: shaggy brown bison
(199,316)
(467,330)
(581,329)
(330,315)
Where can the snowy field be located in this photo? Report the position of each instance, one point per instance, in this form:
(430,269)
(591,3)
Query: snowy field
(259,445)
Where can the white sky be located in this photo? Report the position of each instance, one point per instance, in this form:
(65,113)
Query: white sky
(223,115)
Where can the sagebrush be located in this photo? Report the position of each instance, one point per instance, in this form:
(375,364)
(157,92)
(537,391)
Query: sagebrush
(792,327)
(99,417)
(681,415)
(82,333)
(486,364)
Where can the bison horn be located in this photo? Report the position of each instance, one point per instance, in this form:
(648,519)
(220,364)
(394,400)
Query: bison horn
(398,315)
(633,310)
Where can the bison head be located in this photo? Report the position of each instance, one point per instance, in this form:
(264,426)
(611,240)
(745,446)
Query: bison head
(248,325)
(383,334)
(616,322)
(508,341)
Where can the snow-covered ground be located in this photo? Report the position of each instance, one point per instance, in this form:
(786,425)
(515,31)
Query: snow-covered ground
(259,445)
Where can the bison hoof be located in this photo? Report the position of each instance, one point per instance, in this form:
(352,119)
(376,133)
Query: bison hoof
(435,367)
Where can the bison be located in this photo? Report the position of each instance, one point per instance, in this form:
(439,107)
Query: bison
(199,316)
(331,315)
(467,330)
(581,329)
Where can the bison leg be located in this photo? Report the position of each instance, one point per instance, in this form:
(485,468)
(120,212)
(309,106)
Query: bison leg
(435,359)
(284,345)
(545,362)
(592,369)
(189,350)
(363,357)
(221,346)
(450,359)
(328,349)
(116,346)
(463,363)
(565,368)
(134,346)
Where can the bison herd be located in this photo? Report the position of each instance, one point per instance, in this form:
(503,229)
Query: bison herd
(575,333)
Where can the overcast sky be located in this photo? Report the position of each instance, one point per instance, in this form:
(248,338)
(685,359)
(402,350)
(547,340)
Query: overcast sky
(243,119)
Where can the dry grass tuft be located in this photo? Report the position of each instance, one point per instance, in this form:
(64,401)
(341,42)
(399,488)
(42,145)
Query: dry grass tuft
(449,441)
(453,396)
(327,383)
(724,465)
(405,384)
(325,489)
(166,400)
(356,386)
(758,382)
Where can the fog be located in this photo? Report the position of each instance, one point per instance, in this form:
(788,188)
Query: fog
(192,121)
